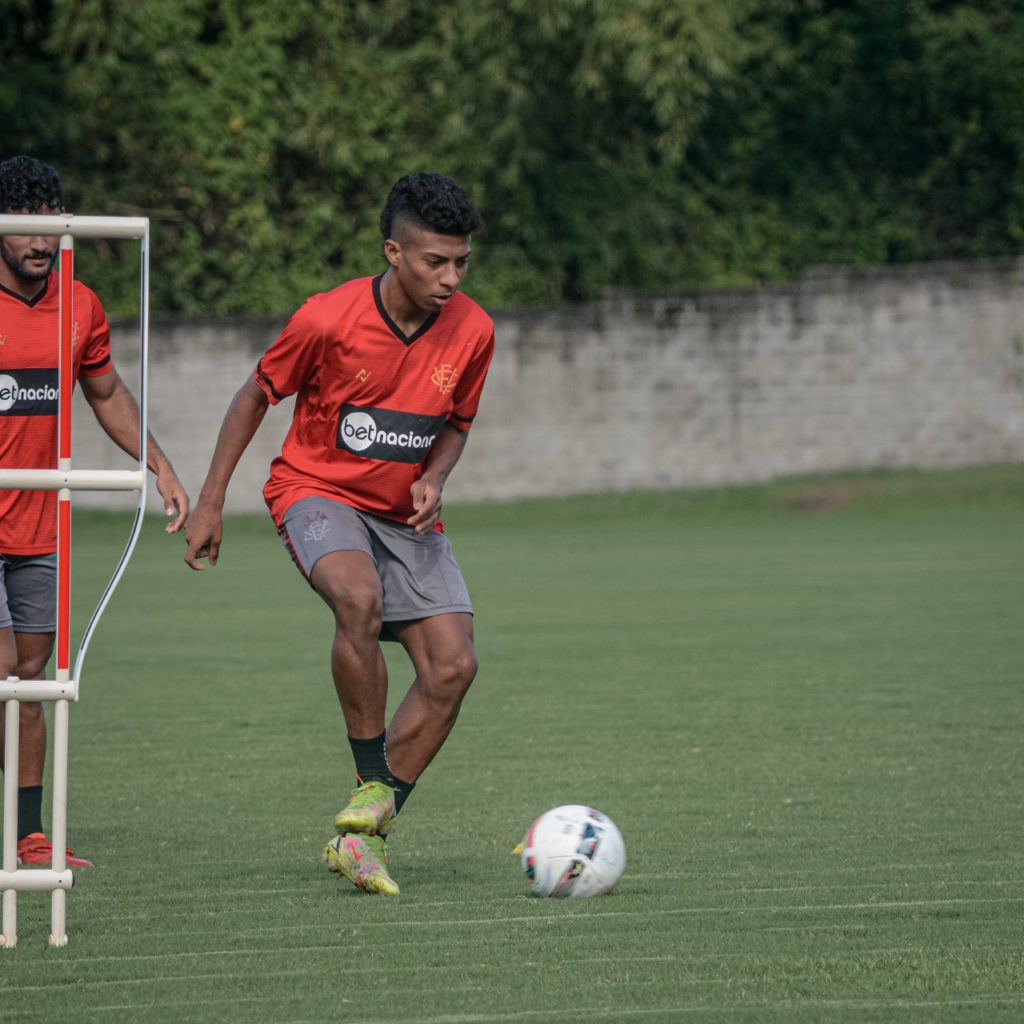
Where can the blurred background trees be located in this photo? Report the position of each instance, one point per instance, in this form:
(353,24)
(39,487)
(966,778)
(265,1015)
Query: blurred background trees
(626,143)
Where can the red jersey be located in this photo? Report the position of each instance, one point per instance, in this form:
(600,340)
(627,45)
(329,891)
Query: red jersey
(369,401)
(29,399)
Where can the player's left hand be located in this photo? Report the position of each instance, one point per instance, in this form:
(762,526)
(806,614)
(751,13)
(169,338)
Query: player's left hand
(426,500)
(175,499)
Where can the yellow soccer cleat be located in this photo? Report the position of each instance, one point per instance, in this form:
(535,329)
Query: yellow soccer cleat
(363,860)
(370,810)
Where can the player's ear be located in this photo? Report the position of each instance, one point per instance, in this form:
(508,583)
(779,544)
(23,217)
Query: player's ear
(392,251)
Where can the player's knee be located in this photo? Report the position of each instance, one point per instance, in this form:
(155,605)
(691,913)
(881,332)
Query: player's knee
(451,676)
(32,717)
(33,667)
(358,610)
(465,668)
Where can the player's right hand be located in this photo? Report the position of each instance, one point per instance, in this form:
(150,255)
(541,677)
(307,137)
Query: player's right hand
(203,533)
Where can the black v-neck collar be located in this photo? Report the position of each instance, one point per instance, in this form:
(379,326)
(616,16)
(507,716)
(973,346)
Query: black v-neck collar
(392,326)
(21,298)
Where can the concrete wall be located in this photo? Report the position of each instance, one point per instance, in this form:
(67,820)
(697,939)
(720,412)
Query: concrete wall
(913,366)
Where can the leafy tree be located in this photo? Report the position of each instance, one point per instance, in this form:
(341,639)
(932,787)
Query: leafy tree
(256,135)
(868,133)
(570,121)
(608,142)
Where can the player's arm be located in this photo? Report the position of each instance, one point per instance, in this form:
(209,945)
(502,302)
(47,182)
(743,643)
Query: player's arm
(117,412)
(426,491)
(204,528)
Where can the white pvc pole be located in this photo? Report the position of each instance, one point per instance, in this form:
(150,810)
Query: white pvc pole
(37,880)
(38,689)
(58,929)
(62,652)
(12,734)
(72,479)
(68,224)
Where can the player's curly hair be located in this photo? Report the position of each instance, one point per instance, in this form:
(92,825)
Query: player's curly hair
(431,201)
(29,184)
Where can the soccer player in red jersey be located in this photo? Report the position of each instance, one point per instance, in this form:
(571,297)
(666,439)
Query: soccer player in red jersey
(387,372)
(29,310)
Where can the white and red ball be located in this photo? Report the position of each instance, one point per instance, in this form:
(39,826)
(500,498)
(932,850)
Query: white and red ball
(573,851)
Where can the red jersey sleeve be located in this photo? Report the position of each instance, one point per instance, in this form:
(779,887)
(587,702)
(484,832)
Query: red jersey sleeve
(470,386)
(95,358)
(294,356)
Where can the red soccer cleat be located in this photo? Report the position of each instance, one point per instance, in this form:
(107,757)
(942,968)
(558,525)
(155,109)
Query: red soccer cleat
(37,849)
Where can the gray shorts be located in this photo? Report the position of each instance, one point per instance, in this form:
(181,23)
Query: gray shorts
(417,571)
(28,593)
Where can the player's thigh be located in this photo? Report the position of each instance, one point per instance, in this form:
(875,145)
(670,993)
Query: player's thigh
(8,653)
(330,546)
(34,651)
(25,655)
(28,607)
(348,583)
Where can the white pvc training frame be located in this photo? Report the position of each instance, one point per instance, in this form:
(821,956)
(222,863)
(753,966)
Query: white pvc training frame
(64,479)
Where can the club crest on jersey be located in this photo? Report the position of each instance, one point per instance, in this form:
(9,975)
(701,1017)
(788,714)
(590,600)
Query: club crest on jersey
(444,377)
(29,393)
(386,434)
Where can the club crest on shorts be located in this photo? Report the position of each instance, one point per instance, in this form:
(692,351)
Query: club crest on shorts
(316,528)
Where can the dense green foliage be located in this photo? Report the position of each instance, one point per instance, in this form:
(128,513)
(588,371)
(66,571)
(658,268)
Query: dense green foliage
(608,142)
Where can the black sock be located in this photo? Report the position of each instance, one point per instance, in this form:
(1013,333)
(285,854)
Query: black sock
(371,759)
(402,790)
(30,810)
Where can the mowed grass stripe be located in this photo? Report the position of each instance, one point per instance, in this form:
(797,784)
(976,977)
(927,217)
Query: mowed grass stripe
(984,1003)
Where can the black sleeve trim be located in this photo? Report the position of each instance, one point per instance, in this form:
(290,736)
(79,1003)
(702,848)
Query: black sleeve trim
(96,366)
(270,384)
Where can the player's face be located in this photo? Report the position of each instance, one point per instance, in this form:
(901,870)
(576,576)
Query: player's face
(428,266)
(28,258)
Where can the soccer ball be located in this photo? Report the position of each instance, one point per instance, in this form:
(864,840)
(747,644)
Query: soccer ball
(573,851)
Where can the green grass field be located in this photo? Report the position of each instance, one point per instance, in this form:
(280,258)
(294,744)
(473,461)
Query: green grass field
(802,704)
